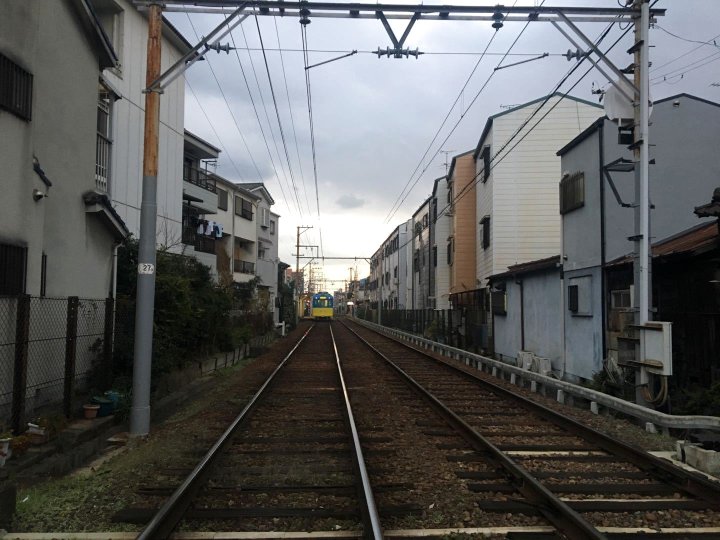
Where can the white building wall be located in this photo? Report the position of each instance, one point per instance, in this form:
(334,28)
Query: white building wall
(443,229)
(125,187)
(521,195)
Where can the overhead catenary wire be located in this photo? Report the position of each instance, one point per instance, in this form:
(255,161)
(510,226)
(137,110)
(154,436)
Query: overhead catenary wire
(292,117)
(656,68)
(269,123)
(678,72)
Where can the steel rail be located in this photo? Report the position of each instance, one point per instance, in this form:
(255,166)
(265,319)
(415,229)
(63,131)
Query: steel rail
(371,519)
(693,483)
(171,512)
(566,520)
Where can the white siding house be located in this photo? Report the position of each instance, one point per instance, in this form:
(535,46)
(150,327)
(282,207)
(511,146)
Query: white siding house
(442,229)
(517,188)
(127,28)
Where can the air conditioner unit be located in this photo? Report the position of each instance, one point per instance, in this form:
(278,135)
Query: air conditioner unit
(525,360)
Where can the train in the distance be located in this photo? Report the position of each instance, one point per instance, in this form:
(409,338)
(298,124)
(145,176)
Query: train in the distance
(322,306)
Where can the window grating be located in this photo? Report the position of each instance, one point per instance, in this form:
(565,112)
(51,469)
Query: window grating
(572,192)
(15,88)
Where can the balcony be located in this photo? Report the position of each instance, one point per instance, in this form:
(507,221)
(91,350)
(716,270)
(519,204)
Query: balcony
(201,243)
(244,267)
(199,178)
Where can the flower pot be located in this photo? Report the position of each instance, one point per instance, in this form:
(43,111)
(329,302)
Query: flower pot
(90,410)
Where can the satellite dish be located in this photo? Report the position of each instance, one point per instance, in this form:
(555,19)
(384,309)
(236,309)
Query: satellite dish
(617,106)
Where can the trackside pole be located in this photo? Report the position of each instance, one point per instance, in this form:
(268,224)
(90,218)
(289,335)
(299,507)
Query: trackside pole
(145,304)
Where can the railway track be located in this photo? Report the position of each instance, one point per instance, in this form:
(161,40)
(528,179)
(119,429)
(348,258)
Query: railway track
(356,434)
(291,460)
(620,491)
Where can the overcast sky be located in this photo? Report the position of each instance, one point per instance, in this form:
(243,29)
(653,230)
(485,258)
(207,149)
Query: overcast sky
(374,118)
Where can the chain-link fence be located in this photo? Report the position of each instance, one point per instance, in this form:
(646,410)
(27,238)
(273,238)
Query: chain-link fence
(464,328)
(51,350)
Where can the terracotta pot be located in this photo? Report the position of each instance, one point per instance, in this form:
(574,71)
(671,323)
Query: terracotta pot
(90,410)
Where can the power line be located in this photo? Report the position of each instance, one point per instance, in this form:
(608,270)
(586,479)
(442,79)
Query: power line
(710,43)
(222,146)
(237,126)
(462,116)
(495,161)
(374,53)
(688,67)
(277,114)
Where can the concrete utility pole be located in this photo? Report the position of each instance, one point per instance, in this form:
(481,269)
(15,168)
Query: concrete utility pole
(145,304)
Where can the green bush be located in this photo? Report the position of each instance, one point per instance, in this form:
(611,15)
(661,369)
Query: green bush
(192,313)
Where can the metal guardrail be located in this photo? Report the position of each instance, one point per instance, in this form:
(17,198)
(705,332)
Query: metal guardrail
(563,389)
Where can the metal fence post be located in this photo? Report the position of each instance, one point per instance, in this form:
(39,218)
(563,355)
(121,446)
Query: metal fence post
(70,350)
(22,335)
(108,341)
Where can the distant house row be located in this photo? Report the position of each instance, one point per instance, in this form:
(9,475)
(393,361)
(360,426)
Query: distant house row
(532,231)
(71,132)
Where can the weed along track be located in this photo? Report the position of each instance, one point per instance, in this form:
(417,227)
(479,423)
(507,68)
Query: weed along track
(355,434)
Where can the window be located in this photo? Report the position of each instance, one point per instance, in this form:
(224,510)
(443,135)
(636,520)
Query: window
(222,199)
(450,193)
(418,228)
(13,266)
(395,272)
(264,218)
(434,255)
(434,210)
(261,250)
(579,293)
(103,144)
(387,277)
(16,87)
(450,250)
(499,302)
(486,163)
(572,192)
(485,222)
(425,221)
(111,18)
(243,208)
(272,227)
(620,299)
(416,260)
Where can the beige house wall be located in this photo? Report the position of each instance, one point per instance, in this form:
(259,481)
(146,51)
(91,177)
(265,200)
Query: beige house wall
(464,225)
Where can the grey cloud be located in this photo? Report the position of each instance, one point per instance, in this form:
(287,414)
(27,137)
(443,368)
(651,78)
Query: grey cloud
(350,201)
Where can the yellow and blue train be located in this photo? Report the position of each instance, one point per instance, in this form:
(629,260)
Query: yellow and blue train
(322,306)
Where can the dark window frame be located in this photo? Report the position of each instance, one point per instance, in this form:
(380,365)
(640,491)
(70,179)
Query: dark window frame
(486,162)
(222,198)
(13,269)
(573,298)
(243,208)
(485,222)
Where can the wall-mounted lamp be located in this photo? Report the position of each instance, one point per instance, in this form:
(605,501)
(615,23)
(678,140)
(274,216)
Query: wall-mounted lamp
(37,195)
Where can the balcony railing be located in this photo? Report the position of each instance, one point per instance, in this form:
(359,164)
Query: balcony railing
(199,178)
(102,162)
(201,243)
(244,267)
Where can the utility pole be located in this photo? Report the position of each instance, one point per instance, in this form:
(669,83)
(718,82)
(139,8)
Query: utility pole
(145,304)
(300,229)
(641,157)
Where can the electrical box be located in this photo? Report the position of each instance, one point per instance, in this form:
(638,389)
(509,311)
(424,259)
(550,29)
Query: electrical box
(656,347)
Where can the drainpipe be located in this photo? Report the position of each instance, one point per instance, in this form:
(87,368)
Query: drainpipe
(522,313)
(563,354)
(603,282)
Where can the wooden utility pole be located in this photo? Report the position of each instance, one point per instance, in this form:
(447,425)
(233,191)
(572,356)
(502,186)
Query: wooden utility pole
(145,304)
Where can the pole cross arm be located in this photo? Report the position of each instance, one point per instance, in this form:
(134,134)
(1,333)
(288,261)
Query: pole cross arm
(211,42)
